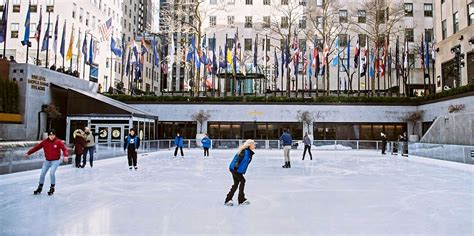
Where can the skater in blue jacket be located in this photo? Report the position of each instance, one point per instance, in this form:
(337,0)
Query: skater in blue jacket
(131,145)
(178,140)
(206,144)
(238,167)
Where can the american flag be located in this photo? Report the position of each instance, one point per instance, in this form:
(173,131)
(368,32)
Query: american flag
(106,30)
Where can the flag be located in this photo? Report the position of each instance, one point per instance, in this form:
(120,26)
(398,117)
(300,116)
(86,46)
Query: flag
(4,23)
(348,66)
(62,48)
(105,29)
(113,47)
(134,49)
(91,52)
(71,42)
(214,59)
(203,44)
(156,60)
(310,70)
(397,72)
(405,61)
(55,42)
(26,37)
(390,63)
(422,52)
(84,47)
(316,61)
(335,60)
(144,50)
(427,54)
(283,63)
(356,55)
(45,45)
(371,66)
(276,64)
(127,69)
(38,27)
(192,47)
(234,56)
(222,59)
(325,53)
(255,51)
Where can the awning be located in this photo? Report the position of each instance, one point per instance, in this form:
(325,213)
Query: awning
(98,104)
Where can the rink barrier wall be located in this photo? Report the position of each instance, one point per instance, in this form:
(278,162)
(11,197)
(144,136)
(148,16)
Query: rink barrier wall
(446,152)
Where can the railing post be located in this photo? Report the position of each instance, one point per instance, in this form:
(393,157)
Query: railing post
(357,145)
(335,144)
(377,145)
(169,144)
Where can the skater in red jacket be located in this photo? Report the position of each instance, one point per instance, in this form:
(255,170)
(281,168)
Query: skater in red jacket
(52,151)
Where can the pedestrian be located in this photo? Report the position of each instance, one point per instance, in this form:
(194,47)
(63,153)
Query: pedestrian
(286,142)
(52,148)
(206,144)
(307,146)
(238,168)
(90,146)
(79,146)
(384,142)
(131,144)
(178,140)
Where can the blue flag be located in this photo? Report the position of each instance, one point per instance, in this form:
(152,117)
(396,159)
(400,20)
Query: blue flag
(310,70)
(222,59)
(91,52)
(276,64)
(427,51)
(45,45)
(335,61)
(127,69)
(26,37)
(62,48)
(348,66)
(113,47)
(155,51)
(84,47)
(191,50)
(4,23)
(371,66)
(255,51)
(214,59)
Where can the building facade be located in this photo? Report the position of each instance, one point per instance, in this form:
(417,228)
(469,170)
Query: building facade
(84,17)
(454,29)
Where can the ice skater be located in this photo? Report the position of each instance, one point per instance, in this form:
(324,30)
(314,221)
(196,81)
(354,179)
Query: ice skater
(286,142)
(79,146)
(238,167)
(178,140)
(384,142)
(206,144)
(131,145)
(90,146)
(307,146)
(52,148)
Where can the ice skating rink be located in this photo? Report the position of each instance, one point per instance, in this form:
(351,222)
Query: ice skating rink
(338,193)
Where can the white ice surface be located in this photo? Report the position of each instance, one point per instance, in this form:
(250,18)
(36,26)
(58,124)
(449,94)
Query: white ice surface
(339,192)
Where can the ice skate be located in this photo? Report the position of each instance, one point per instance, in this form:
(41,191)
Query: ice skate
(51,191)
(229,203)
(246,202)
(38,190)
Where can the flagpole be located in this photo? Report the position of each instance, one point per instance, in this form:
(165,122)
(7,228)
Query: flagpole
(84,59)
(225,69)
(111,63)
(38,39)
(5,10)
(358,70)
(47,44)
(266,66)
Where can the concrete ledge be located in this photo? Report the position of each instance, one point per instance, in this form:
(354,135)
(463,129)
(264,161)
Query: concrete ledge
(10,118)
(446,152)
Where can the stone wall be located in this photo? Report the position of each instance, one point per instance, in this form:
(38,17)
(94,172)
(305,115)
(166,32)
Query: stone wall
(452,129)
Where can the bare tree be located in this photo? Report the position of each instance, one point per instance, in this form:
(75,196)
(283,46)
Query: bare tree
(201,116)
(382,20)
(325,29)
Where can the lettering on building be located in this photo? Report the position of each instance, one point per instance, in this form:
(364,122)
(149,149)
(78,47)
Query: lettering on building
(38,82)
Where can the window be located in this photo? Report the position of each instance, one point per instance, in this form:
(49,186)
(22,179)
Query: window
(302,3)
(428,10)
(319,22)
(32,30)
(230,21)
(409,34)
(266,2)
(455,22)
(361,16)
(362,40)
(284,2)
(302,44)
(230,43)
(213,2)
(470,14)
(381,16)
(444,29)
(212,21)
(248,44)
(411,60)
(284,22)
(212,43)
(248,2)
(93,21)
(248,22)
(230,2)
(429,34)
(14,30)
(87,18)
(343,40)
(302,23)
(409,9)
(16,6)
(34,6)
(319,2)
(81,13)
(50,5)
(343,16)
(266,22)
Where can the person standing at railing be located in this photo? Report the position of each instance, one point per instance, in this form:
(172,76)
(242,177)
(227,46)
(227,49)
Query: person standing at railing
(206,144)
(286,142)
(131,145)
(307,146)
(178,140)
(238,166)
(384,143)
(52,148)
(90,146)
(79,146)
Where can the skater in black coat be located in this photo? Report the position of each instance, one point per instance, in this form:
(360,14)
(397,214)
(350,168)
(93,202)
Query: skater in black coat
(384,142)
(132,143)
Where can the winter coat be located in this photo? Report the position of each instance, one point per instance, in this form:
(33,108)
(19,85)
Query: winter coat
(79,145)
(206,142)
(52,149)
(131,140)
(241,161)
(286,139)
(384,140)
(90,139)
(307,140)
(178,140)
